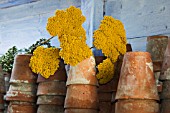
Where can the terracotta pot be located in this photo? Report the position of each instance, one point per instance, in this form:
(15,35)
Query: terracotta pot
(2,84)
(81,111)
(105,97)
(21,72)
(83,73)
(157,65)
(59,75)
(23,87)
(165,72)
(52,88)
(128,47)
(2,102)
(50,109)
(99,59)
(137,79)
(165,90)
(110,86)
(81,97)
(14,108)
(105,107)
(137,106)
(165,106)
(113,108)
(50,99)
(156,46)
(21,96)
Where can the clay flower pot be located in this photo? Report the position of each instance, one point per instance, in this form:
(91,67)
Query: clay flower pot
(81,111)
(81,96)
(165,72)
(165,105)
(59,75)
(136,106)
(83,73)
(50,109)
(21,72)
(136,78)
(156,47)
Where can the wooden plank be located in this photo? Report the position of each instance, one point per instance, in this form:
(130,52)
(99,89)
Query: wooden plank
(11,3)
(36,8)
(145,18)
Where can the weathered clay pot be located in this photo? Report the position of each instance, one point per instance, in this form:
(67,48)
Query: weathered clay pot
(136,106)
(50,109)
(52,88)
(110,86)
(2,84)
(21,72)
(105,97)
(165,72)
(106,107)
(81,96)
(83,73)
(165,106)
(157,65)
(113,107)
(128,47)
(165,90)
(156,47)
(51,99)
(59,75)
(2,102)
(23,87)
(81,111)
(137,79)
(14,108)
(21,96)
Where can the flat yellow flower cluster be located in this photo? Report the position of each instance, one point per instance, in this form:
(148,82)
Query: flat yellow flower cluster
(74,49)
(67,25)
(45,61)
(106,71)
(110,38)
(67,21)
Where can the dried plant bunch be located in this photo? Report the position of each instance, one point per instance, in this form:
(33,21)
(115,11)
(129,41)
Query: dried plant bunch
(111,39)
(45,61)
(67,25)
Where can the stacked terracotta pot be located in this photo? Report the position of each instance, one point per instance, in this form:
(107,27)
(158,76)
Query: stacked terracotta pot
(82,85)
(137,91)
(22,91)
(2,91)
(156,46)
(52,91)
(165,78)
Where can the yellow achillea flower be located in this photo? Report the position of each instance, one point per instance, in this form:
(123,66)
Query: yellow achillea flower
(74,49)
(45,61)
(111,39)
(67,21)
(106,71)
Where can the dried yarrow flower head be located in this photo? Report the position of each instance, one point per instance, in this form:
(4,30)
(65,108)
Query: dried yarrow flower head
(74,49)
(67,25)
(106,71)
(67,21)
(45,61)
(111,39)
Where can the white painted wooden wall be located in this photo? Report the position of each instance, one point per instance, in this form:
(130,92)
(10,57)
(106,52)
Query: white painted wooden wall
(22,22)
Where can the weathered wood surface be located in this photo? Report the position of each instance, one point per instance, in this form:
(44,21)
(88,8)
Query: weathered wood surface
(22,22)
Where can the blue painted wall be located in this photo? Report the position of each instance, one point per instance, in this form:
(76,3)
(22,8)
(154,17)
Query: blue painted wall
(22,22)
